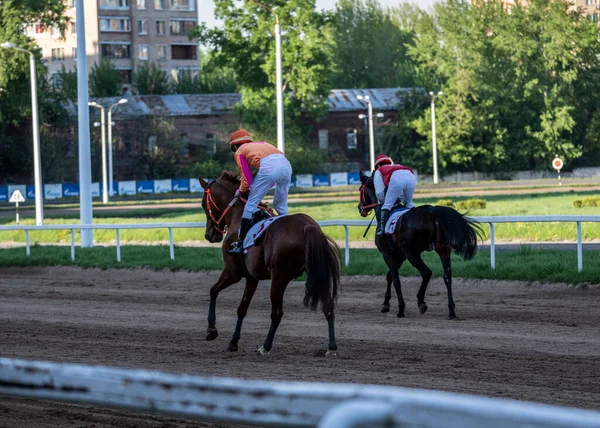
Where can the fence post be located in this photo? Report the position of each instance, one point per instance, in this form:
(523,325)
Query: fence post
(492,247)
(118,245)
(347,248)
(73,244)
(171,247)
(27,249)
(579,249)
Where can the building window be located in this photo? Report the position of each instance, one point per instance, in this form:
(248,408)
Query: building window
(161,28)
(72,3)
(115,50)
(351,139)
(114,4)
(141,4)
(74,53)
(142,27)
(182,27)
(323,139)
(73,27)
(125,76)
(211,143)
(159,4)
(184,52)
(118,25)
(58,54)
(143,52)
(161,52)
(182,4)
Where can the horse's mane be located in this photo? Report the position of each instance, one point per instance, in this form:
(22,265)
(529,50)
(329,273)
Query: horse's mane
(231,178)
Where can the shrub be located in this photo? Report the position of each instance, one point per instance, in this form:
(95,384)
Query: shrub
(472,204)
(593,201)
(446,203)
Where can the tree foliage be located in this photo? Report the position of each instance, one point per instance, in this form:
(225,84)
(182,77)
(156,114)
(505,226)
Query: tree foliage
(150,79)
(105,80)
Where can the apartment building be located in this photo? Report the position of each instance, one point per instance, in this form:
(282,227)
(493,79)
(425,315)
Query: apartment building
(128,32)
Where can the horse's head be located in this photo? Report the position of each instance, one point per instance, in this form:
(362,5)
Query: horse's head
(217,196)
(368,199)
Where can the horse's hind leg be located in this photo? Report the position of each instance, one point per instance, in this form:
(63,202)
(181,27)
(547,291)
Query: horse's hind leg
(278,286)
(417,262)
(388,293)
(251,284)
(444,253)
(225,280)
(329,312)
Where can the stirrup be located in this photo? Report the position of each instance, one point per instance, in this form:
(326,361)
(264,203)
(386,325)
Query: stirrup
(236,248)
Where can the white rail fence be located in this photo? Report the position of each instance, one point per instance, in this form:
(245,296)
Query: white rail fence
(491,220)
(265,403)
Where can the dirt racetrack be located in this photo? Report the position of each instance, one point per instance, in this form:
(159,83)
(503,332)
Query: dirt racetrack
(538,342)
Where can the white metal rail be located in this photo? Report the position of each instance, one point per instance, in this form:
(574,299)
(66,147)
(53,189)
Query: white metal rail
(276,403)
(491,220)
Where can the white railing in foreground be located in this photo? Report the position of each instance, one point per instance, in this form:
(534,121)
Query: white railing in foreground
(277,403)
(491,220)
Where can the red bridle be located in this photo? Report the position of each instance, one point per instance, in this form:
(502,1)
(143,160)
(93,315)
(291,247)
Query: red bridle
(365,208)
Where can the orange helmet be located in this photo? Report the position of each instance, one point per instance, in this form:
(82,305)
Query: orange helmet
(382,160)
(240,136)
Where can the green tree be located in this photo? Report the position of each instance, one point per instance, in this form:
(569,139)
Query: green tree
(187,82)
(162,148)
(65,83)
(150,79)
(370,47)
(105,80)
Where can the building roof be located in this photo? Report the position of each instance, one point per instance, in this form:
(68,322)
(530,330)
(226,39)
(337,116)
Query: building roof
(215,104)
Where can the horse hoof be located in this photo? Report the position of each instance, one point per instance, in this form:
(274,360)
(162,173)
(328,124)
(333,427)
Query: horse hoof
(263,351)
(211,334)
(232,347)
(452,317)
(422,308)
(401,315)
(331,353)
(385,309)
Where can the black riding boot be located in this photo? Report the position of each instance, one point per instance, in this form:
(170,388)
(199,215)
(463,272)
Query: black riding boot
(238,246)
(382,221)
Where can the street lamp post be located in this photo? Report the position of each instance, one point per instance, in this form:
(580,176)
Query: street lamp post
(103,130)
(37,165)
(434,96)
(278,78)
(367,99)
(110,145)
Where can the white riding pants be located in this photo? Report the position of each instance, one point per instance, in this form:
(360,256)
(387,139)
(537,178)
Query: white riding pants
(402,186)
(274,170)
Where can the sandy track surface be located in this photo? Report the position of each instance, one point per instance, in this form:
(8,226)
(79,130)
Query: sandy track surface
(538,342)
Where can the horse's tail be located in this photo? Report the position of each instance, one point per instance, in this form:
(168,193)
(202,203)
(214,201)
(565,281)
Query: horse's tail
(322,265)
(458,231)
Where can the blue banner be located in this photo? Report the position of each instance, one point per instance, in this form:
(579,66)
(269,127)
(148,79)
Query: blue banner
(3,193)
(30,192)
(321,180)
(182,185)
(70,190)
(115,188)
(293,182)
(353,178)
(146,186)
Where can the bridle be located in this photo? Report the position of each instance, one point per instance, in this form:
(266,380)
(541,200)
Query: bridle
(365,208)
(211,205)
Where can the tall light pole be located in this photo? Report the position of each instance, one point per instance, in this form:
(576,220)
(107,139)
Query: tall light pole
(37,164)
(436,178)
(110,146)
(367,99)
(103,130)
(278,78)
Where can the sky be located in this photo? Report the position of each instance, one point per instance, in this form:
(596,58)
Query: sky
(207,7)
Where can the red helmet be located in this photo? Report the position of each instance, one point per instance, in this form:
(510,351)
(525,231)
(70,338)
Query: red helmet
(383,160)
(240,137)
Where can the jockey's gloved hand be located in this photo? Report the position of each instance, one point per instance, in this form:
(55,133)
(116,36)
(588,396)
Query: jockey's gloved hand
(237,194)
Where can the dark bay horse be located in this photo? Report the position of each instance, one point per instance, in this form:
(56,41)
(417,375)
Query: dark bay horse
(423,228)
(290,246)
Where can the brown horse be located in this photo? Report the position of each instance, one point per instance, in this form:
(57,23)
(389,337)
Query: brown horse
(290,246)
(421,229)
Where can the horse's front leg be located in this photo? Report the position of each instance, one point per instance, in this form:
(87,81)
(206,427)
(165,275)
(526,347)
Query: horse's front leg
(251,284)
(228,277)
(394,264)
(388,293)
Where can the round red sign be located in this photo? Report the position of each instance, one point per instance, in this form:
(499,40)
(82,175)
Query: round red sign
(557,163)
